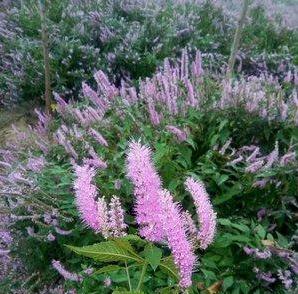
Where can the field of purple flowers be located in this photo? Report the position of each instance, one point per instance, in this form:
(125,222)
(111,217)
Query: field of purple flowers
(162,157)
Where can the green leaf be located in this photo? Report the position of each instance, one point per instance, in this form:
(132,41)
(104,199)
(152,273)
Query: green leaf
(134,238)
(240,227)
(209,274)
(153,255)
(222,124)
(108,251)
(244,287)
(186,155)
(227,239)
(124,244)
(260,231)
(228,282)
(222,179)
(127,292)
(282,241)
(240,238)
(169,290)
(235,190)
(224,222)
(236,290)
(108,269)
(209,263)
(167,265)
(214,139)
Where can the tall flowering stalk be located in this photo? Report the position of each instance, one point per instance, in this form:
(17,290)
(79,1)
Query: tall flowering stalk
(61,104)
(98,137)
(108,90)
(95,160)
(92,212)
(117,225)
(65,273)
(36,164)
(173,223)
(92,95)
(205,212)
(190,226)
(147,187)
(272,157)
(180,135)
(43,122)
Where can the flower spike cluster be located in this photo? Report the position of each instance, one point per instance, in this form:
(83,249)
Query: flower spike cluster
(94,210)
(160,218)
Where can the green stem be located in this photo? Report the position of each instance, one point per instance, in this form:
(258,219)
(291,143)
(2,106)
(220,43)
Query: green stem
(142,276)
(128,277)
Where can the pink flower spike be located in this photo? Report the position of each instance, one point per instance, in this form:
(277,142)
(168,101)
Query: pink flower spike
(176,236)
(117,225)
(62,232)
(180,135)
(272,157)
(254,167)
(86,195)
(147,185)
(64,273)
(98,137)
(287,158)
(190,227)
(205,212)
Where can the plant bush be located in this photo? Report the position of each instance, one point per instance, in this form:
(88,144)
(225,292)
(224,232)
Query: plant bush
(238,137)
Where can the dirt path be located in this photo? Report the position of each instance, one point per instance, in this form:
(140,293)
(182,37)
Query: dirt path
(20,117)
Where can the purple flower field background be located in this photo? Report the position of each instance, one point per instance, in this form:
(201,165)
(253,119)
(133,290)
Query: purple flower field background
(148,146)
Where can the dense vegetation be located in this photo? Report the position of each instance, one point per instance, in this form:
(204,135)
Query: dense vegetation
(154,172)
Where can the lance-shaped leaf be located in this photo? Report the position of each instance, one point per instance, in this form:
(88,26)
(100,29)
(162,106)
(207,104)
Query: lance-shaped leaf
(108,269)
(108,251)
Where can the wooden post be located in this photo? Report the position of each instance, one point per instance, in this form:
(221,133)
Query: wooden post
(46,58)
(236,41)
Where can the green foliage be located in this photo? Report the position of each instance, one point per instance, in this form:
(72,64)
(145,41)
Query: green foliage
(121,251)
(76,51)
(137,42)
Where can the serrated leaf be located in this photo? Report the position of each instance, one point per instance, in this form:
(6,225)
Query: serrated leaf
(153,255)
(107,251)
(123,243)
